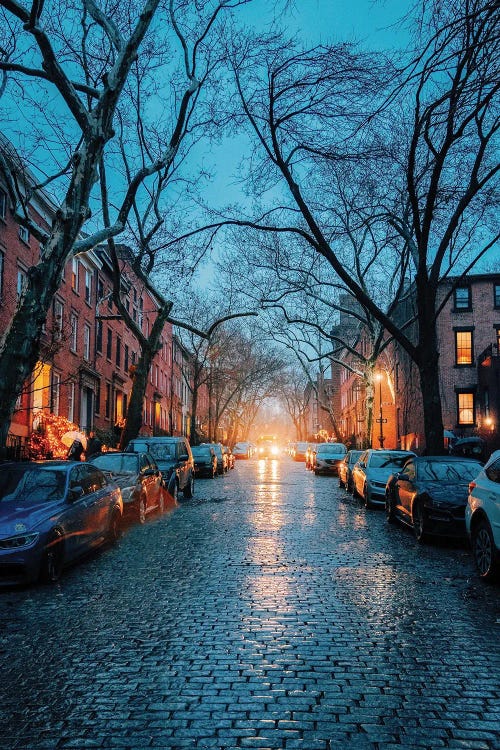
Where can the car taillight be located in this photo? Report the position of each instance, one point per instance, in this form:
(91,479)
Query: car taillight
(472,485)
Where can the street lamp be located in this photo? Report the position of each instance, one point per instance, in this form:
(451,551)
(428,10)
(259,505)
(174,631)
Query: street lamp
(380,419)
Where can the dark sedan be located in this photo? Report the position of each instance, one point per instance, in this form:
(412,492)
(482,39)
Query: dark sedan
(205,461)
(51,513)
(139,479)
(430,494)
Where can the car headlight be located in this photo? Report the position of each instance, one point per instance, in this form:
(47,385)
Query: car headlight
(20,540)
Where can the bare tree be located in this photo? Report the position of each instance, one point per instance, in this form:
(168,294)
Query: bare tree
(83,79)
(436,169)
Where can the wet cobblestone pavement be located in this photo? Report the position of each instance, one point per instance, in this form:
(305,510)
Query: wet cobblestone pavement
(272,611)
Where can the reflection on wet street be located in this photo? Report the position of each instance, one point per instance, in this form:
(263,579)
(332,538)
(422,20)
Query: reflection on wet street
(272,611)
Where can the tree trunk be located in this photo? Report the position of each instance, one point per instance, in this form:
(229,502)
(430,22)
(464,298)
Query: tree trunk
(193,438)
(431,401)
(133,421)
(21,346)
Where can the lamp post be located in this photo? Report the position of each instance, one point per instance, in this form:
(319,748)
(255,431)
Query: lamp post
(380,419)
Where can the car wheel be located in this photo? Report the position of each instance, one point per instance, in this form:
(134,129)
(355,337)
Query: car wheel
(389,510)
(483,550)
(141,510)
(350,486)
(115,527)
(53,559)
(188,490)
(417,515)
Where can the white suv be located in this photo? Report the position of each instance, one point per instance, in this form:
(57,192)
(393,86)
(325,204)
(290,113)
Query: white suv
(482,518)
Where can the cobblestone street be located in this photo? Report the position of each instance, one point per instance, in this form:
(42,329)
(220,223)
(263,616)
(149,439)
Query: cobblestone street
(272,611)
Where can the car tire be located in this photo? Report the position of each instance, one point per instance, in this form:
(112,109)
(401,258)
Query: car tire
(142,509)
(389,510)
(53,559)
(483,551)
(418,521)
(350,486)
(115,527)
(188,490)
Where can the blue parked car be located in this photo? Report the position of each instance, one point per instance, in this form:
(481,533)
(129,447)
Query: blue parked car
(51,513)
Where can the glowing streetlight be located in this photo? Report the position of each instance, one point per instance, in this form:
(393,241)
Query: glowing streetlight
(380,419)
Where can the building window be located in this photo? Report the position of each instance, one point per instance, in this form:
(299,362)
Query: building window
(55,393)
(107,405)
(86,342)
(109,343)
(466,408)
(98,398)
(126,358)
(24,234)
(100,289)
(22,282)
(58,319)
(74,274)
(74,332)
(71,402)
(1,276)
(98,336)
(462,297)
(118,353)
(463,348)
(3,204)
(88,286)
(496,296)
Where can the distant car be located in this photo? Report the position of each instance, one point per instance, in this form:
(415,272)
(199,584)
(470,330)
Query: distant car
(371,472)
(139,479)
(205,461)
(470,447)
(174,459)
(299,451)
(327,458)
(345,469)
(430,494)
(242,450)
(222,462)
(482,518)
(311,447)
(267,449)
(51,513)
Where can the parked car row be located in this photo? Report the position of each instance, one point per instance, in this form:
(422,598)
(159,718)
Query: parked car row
(53,512)
(436,496)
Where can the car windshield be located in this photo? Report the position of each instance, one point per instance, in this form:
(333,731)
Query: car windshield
(159,451)
(119,463)
(199,451)
(331,449)
(383,460)
(447,471)
(32,485)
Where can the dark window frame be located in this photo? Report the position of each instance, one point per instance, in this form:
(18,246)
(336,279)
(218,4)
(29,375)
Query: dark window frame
(458,305)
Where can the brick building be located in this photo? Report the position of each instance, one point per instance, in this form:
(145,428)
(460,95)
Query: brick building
(87,354)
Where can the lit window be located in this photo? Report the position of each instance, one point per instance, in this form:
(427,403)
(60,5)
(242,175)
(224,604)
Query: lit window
(74,332)
(74,274)
(462,297)
(466,408)
(463,347)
